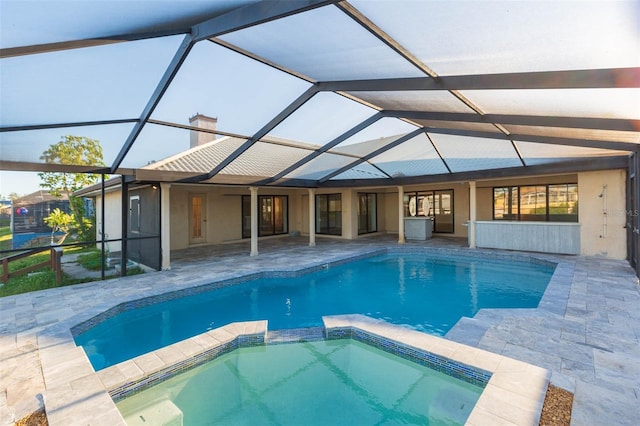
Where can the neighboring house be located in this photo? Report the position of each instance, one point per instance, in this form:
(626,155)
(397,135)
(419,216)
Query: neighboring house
(28,214)
(571,212)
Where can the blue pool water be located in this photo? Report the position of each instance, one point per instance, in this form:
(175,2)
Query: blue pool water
(415,290)
(313,383)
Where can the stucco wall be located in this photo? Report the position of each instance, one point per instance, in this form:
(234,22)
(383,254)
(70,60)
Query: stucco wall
(223,212)
(596,238)
(389,205)
(603,234)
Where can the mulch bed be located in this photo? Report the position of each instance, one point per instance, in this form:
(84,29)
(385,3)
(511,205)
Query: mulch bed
(556,410)
(39,418)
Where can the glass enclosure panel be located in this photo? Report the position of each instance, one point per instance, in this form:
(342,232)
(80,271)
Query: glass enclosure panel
(272,215)
(443,207)
(94,83)
(167,148)
(505,203)
(425,100)
(246,216)
(78,20)
(265,160)
(322,119)
(612,103)
(323,44)
(533,203)
(29,145)
(414,157)
(280,215)
(265,223)
(241,93)
(466,153)
(329,214)
(361,171)
(438,205)
(563,203)
(555,36)
(375,136)
(367,213)
(540,153)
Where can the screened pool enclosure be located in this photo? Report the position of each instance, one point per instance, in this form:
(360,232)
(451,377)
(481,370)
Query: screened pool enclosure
(325,94)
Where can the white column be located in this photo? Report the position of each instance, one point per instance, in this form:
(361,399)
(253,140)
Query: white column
(312,217)
(165,225)
(254,220)
(400,215)
(472,214)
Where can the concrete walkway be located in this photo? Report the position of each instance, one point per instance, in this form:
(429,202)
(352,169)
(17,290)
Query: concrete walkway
(586,329)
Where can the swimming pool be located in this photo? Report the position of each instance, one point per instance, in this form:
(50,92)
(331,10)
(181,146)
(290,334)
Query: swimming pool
(310,383)
(418,290)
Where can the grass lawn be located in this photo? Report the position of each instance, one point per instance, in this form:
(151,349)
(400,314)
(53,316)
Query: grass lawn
(5,238)
(44,278)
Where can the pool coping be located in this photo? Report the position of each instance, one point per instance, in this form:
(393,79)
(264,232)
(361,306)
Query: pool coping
(513,392)
(76,393)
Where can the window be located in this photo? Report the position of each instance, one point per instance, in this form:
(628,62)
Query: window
(550,203)
(367,213)
(272,215)
(438,205)
(329,214)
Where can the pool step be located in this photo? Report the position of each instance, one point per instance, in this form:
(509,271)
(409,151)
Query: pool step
(162,413)
(295,335)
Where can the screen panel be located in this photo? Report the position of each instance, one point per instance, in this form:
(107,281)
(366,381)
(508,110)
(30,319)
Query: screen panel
(464,154)
(323,44)
(242,94)
(477,37)
(415,157)
(93,83)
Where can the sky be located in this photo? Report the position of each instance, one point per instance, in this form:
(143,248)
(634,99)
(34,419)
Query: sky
(115,81)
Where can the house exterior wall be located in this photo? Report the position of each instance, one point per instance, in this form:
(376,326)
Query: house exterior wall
(599,235)
(603,234)
(224,212)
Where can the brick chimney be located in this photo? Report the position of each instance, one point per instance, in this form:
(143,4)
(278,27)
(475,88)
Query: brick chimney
(203,122)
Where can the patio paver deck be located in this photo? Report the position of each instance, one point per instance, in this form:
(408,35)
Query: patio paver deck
(586,329)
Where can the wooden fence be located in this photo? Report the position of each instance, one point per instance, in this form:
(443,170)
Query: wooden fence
(54,262)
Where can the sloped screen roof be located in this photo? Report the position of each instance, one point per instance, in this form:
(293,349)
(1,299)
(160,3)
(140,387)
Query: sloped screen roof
(323,93)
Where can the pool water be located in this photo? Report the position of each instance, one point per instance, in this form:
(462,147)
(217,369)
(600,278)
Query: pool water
(313,383)
(415,290)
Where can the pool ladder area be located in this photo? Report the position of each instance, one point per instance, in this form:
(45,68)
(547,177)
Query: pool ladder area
(294,335)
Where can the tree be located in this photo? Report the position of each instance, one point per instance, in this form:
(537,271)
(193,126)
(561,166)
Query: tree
(79,151)
(59,221)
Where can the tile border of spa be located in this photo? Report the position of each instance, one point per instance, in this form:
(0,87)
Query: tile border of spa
(513,392)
